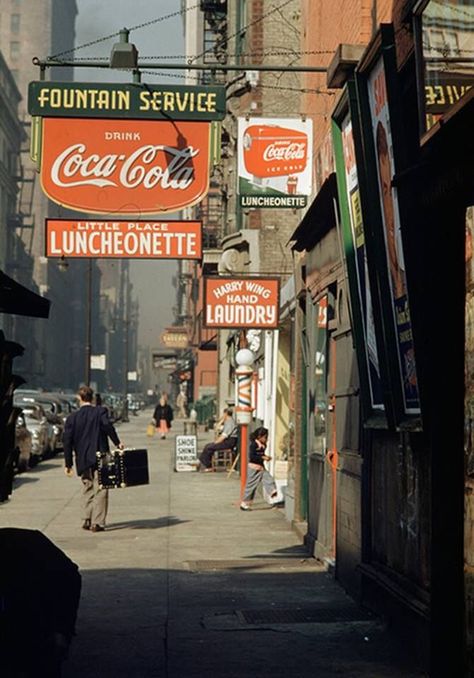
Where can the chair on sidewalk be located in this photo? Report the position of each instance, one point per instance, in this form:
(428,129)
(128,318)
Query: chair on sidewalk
(222,460)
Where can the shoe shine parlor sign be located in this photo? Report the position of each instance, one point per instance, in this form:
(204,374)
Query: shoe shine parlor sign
(125,150)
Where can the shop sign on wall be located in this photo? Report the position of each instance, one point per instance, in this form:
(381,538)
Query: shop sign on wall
(116,239)
(248,302)
(175,337)
(274,162)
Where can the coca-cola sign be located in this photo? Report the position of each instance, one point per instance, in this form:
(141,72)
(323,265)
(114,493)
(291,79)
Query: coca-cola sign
(274,162)
(274,151)
(125,166)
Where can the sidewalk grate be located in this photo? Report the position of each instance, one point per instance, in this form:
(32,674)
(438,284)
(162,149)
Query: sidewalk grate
(313,615)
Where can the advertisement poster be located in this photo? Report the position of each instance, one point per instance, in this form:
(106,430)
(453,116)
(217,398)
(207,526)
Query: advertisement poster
(384,156)
(241,302)
(360,262)
(119,239)
(274,162)
(125,166)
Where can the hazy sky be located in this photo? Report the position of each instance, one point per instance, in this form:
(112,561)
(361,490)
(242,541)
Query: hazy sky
(98,19)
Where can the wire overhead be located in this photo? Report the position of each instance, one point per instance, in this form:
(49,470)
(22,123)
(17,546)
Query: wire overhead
(157,20)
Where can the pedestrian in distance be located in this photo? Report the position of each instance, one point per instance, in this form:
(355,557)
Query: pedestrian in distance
(256,472)
(86,432)
(163,416)
(226,440)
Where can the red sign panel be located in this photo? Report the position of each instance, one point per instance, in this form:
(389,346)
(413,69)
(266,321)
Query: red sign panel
(130,239)
(271,151)
(124,166)
(241,302)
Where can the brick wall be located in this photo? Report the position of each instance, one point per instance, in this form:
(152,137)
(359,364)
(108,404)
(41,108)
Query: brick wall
(324,26)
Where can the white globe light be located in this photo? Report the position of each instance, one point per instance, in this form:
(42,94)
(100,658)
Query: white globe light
(244,356)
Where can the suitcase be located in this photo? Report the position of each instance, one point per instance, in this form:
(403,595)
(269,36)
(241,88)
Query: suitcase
(122,468)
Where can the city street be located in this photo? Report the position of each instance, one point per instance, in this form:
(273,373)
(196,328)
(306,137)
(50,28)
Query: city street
(184,585)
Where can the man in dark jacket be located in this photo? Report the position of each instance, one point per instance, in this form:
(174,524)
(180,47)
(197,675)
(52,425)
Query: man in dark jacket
(86,432)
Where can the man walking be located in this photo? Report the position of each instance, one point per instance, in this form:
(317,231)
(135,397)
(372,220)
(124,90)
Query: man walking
(86,432)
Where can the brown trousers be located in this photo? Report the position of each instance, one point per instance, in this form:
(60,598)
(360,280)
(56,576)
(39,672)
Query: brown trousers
(94,500)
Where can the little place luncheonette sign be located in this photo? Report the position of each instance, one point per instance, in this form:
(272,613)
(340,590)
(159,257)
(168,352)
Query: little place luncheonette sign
(125,166)
(248,302)
(131,100)
(118,239)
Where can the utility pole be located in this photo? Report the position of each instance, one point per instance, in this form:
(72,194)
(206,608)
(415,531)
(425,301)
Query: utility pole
(88,352)
(126,322)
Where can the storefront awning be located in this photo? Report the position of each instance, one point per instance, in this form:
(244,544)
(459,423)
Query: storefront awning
(16,299)
(319,219)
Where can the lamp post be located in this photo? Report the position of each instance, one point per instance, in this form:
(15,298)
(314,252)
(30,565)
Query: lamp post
(243,410)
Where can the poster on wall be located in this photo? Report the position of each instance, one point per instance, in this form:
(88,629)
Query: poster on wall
(354,239)
(375,88)
(274,162)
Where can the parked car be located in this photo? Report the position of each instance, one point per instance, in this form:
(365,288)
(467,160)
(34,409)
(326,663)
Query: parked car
(134,402)
(34,418)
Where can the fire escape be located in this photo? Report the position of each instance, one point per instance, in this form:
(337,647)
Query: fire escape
(212,210)
(20,220)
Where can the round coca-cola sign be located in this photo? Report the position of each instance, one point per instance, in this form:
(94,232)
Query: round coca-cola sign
(124,166)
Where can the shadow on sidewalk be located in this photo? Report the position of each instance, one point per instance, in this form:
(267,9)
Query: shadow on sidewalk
(149,524)
(149,623)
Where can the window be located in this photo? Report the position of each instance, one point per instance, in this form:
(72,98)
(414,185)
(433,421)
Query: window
(445,46)
(14,50)
(15,23)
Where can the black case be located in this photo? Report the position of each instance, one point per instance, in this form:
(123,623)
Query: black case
(122,468)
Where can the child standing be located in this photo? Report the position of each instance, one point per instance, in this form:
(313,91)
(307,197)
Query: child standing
(256,471)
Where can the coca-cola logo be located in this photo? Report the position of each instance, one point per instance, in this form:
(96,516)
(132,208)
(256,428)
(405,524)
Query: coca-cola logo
(285,151)
(137,169)
(142,166)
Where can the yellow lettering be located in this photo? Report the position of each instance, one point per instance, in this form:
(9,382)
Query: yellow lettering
(103,99)
(212,103)
(123,100)
(430,95)
(168,103)
(145,101)
(201,102)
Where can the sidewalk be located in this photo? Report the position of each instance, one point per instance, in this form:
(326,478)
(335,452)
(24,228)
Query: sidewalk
(185,585)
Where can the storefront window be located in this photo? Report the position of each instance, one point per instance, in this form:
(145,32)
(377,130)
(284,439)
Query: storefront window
(445,32)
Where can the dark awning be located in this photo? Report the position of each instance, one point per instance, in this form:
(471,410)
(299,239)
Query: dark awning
(16,299)
(319,219)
